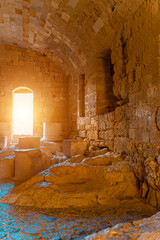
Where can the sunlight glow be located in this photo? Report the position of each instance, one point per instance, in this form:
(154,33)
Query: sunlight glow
(23,114)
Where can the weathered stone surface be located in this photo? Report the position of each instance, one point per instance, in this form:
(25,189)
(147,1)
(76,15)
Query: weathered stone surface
(46,80)
(147,228)
(52,131)
(94,153)
(29,142)
(27,163)
(74,147)
(76,159)
(7,168)
(117,53)
(51,147)
(3,142)
(76,184)
(104,160)
(144,159)
(72,223)
(7,153)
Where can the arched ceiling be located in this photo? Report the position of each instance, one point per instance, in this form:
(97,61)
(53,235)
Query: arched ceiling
(68,31)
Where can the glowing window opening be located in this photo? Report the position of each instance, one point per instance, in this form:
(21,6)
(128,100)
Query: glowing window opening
(22,113)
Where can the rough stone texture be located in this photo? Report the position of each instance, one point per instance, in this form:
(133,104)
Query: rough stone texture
(73,147)
(53,131)
(7,153)
(115,46)
(3,142)
(104,160)
(29,142)
(147,228)
(50,27)
(26,68)
(78,184)
(5,128)
(30,223)
(144,159)
(76,159)
(50,147)
(7,168)
(27,163)
(135,84)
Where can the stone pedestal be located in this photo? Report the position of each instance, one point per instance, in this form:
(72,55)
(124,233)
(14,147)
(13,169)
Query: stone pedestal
(73,147)
(52,131)
(29,142)
(7,168)
(28,162)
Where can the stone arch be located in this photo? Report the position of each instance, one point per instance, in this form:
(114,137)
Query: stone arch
(22,90)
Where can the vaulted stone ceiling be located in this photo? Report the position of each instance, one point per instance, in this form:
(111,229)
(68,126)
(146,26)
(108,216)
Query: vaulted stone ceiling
(68,31)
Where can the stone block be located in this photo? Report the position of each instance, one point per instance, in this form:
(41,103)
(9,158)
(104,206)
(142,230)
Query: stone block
(3,142)
(52,147)
(27,163)
(98,25)
(92,135)
(29,142)
(121,128)
(52,131)
(109,134)
(110,144)
(73,3)
(120,145)
(82,134)
(7,168)
(74,147)
(119,114)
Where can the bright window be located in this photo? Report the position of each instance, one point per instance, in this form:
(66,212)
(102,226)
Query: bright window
(23,113)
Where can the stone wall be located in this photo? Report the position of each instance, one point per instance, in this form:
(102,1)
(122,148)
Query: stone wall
(26,68)
(134,55)
(135,120)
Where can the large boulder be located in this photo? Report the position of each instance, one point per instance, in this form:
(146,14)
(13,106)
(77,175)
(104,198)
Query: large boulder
(78,184)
